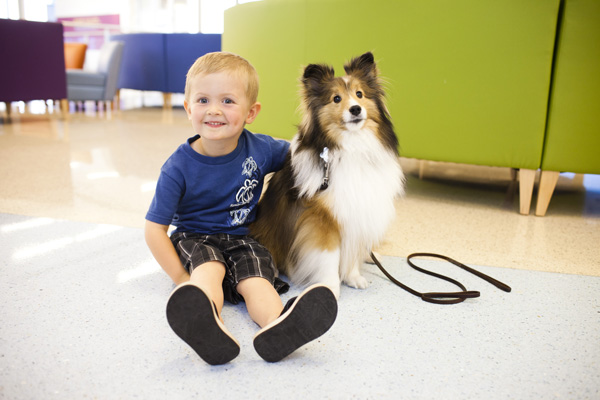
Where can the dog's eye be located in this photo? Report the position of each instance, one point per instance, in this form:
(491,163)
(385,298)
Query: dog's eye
(337,99)
(359,94)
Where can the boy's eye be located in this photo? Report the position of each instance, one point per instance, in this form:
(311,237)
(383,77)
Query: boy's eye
(228,101)
(359,94)
(337,99)
(203,100)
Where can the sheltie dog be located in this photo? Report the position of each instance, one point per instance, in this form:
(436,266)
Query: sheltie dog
(334,198)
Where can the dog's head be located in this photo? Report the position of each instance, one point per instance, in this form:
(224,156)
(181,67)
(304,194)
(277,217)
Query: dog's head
(335,106)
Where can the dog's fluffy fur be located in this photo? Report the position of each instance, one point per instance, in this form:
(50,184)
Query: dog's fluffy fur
(321,235)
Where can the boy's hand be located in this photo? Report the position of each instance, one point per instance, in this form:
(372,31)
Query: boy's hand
(163,251)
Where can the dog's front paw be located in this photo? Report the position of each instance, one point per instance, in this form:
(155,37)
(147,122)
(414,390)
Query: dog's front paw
(357,281)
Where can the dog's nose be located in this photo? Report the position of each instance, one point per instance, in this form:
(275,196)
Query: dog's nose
(355,110)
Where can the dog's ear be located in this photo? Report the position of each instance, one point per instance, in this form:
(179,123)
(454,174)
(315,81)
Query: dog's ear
(315,75)
(363,65)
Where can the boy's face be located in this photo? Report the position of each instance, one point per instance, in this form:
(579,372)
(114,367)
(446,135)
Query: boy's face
(219,108)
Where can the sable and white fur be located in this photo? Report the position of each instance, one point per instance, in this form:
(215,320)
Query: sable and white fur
(323,235)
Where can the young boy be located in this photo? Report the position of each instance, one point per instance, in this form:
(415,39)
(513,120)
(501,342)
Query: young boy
(208,189)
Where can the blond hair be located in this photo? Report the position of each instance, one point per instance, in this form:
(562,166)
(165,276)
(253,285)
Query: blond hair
(221,61)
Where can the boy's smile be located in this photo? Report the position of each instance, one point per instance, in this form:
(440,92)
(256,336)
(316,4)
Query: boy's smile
(219,108)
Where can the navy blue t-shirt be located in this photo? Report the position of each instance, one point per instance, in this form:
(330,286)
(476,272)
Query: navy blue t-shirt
(212,195)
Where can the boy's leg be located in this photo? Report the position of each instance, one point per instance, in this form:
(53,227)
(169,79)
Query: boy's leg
(262,300)
(209,277)
(303,319)
(193,314)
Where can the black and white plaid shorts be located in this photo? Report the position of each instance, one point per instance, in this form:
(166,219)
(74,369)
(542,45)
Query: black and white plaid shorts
(242,256)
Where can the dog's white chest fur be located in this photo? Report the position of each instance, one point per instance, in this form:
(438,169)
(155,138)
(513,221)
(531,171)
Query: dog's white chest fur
(365,180)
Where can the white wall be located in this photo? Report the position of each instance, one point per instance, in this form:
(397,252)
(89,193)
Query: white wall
(83,8)
(79,8)
(138,15)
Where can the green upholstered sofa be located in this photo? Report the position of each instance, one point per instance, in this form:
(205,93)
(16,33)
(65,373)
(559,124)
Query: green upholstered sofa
(467,80)
(573,132)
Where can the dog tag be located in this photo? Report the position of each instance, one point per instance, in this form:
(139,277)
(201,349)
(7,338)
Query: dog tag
(325,155)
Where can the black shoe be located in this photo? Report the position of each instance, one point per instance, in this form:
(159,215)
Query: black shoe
(194,318)
(303,319)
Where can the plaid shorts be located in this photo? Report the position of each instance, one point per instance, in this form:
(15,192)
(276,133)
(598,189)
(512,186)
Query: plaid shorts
(242,256)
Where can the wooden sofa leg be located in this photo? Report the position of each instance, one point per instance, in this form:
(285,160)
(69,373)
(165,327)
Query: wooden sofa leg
(421,169)
(547,185)
(526,181)
(167,101)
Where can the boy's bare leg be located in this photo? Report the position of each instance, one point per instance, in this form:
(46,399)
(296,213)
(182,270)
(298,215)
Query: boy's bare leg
(303,319)
(262,300)
(193,312)
(209,277)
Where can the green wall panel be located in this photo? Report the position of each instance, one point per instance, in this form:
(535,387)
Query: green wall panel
(467,80)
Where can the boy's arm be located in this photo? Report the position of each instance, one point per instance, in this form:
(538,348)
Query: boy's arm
(163,251)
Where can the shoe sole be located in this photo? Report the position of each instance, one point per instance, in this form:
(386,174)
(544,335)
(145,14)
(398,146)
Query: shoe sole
(311,315)
(193,318)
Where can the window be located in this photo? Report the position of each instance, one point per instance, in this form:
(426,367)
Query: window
(212,14)
(33,10)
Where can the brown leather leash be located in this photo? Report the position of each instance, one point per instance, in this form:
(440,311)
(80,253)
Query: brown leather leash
(442,297)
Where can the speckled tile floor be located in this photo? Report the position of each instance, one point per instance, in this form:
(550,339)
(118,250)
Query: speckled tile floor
(83,317)
(83,301)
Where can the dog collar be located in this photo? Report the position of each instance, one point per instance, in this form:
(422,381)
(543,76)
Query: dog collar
(325,157)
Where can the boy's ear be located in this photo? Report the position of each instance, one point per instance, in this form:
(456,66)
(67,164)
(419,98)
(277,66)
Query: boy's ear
(253,112)
(186,105)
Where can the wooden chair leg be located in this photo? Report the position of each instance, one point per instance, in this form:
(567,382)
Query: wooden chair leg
(526,182)
(167,100)
(547,185)
(64,108)
(7,104)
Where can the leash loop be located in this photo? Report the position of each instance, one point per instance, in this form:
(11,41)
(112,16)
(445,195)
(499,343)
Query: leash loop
(442,297)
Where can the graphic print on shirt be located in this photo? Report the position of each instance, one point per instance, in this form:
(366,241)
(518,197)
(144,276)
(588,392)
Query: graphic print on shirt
(249,167)
(245,194)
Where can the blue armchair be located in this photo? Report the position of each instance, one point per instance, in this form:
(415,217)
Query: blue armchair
(159,61)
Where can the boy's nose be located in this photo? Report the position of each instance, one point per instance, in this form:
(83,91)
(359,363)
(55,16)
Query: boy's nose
(214,111)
